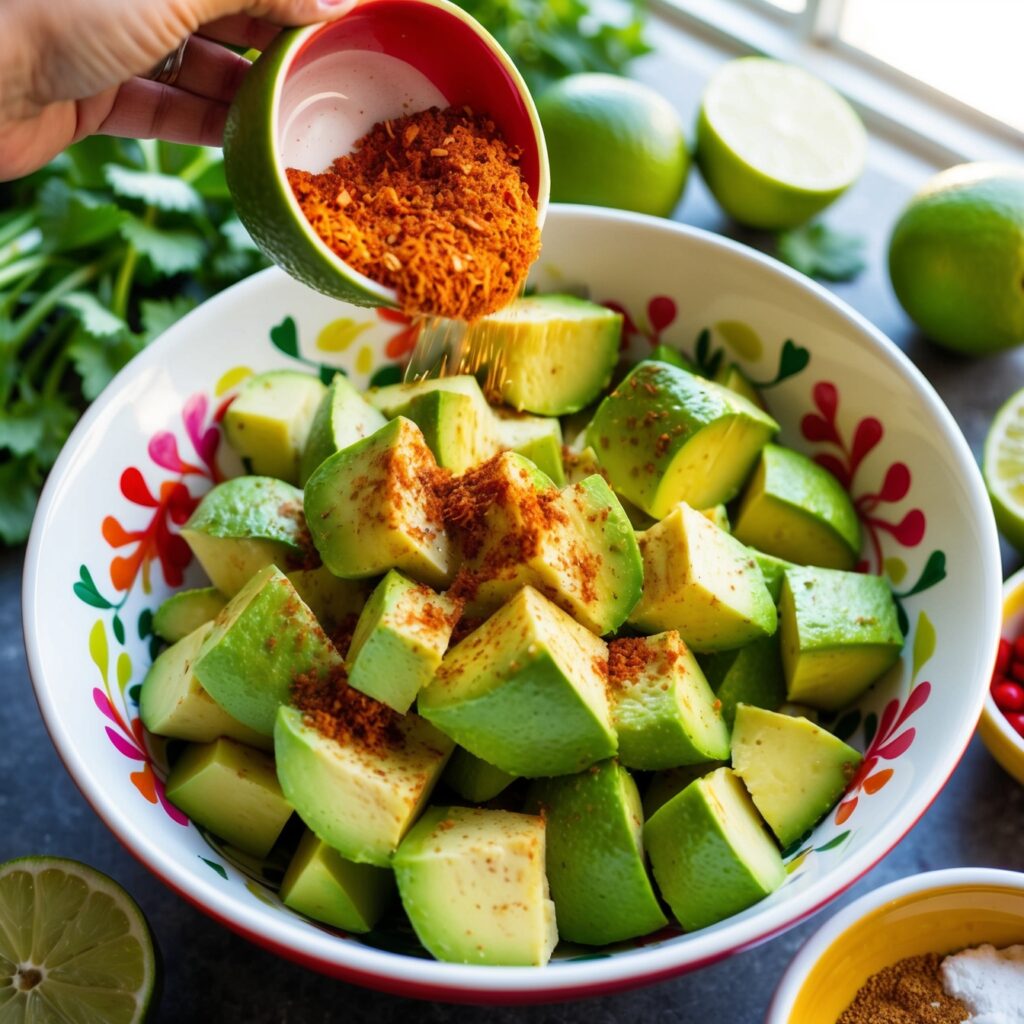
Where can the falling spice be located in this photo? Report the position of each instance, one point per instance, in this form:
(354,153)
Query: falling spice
(434,205)
(907,992)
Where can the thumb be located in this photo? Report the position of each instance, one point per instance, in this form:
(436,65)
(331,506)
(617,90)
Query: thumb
(279,12)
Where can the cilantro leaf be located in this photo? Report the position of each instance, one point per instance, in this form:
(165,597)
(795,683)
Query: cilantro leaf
(159,314)
(21,430)
(820,251)
(164,191)
(72,219)
(169,252)
(18,494)
(94,317)
(97,360)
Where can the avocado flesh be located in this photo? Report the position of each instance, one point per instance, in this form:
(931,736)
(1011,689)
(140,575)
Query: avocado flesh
(474,779)
(773,570)
(185,611)
(665,436)
(703,582)
(370,508)
(664,712)
(454,428)
(664,785)
(342,418)
(399,640)
(269,420)
(549,354)
(710,852)
(747,675)
(472,882)
(839,633)
(538,438)
(672,356)
(173,703)
(245,524)
(732,377)
(798,511)
(595,856)
(358,799)
(323,885)
(525,691)
(330,598)
(794,770)
(231,790)
(263,640)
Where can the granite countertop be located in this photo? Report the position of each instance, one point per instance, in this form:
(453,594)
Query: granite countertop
(211,974)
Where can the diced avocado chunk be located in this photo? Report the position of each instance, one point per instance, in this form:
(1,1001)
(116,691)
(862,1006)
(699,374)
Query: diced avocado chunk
(666,436)
(399,640)
(550,354)
(269,421)
(474,779)
(730,376)
(672,356)
(663,710)
(392,398)
(184,612)
(358,796)
(330,598)
(796,510)
(342,418)
(595,855)
(260,644)
(747,675)
(794,770)
(664,785)
(773,570)
(526,691)
(231,790)
(710,852)
(244,525)
(323,885)
(173,703)
(371,507)
(719,515)
(581,464)
(457,429)
(472,882)
(703,582)
(538,438)
(839,633)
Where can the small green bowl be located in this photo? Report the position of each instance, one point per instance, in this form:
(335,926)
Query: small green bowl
(316,90)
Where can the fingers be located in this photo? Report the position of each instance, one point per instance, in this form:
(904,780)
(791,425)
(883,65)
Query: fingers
(149,110)
(278,12)
(210,70)
(240,30)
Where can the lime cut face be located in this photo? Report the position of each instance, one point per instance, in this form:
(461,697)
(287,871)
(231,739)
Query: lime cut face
(74,946)
(1003,469)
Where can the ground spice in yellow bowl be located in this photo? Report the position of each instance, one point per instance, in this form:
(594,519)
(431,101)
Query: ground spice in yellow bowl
(433,205)
(907,992)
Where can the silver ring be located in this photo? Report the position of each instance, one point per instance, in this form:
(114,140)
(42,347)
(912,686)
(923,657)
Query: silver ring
(167,71)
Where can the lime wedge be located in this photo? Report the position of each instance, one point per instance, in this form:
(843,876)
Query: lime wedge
(1003,468)
(775,144)
(74,946)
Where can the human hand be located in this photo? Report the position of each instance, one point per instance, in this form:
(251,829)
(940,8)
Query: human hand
(76,68)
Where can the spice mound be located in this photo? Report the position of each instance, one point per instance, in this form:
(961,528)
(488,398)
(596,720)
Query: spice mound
(907,992)
(434,205)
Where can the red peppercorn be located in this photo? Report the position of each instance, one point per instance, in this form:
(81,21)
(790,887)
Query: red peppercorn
(1008,696)
(1016,723)
(1004,655)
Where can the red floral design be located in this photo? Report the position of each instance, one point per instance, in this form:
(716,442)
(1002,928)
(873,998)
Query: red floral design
(403,341)
(661,314)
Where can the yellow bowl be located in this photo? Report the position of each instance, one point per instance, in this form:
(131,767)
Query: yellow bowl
(936,912)
(1003,742)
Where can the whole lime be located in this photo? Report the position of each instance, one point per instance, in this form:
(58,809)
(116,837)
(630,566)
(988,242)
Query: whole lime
(956,258)
(613,142)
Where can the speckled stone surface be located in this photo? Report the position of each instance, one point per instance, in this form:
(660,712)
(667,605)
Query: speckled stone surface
(211,975)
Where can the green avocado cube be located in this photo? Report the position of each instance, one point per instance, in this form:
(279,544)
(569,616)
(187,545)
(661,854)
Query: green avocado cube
(664,785)
(730,376)
(321,884)
(173,703)
(710,852)
(184,612)
(342,418)
(458,429)
(245,524)
(269,420)
(839,633)
(703,582)
(719,515)
(773,570)
(538,438)
(260,644)
(666,436)
(595,855)
(372,507)
(663,710)
(399,640)
(581,464)
(549,354)
(474,779)
(794,770)
(672,356)
(747,675)
(473,885)
(796,510)
(526,691)
(231,790)
(359,794)
(331,599)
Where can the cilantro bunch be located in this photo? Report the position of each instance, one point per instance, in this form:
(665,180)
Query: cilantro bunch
(100,252)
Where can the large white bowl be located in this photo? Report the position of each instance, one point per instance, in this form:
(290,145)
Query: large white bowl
(104,552)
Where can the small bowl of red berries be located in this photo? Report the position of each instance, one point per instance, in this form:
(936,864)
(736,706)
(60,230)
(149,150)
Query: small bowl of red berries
(1002,720)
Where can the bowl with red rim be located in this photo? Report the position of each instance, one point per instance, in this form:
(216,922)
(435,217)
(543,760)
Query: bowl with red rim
(105,551)
(1002,721)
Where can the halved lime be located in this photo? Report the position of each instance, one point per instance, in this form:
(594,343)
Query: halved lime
(1003,468)
(74,946)
(775,144)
